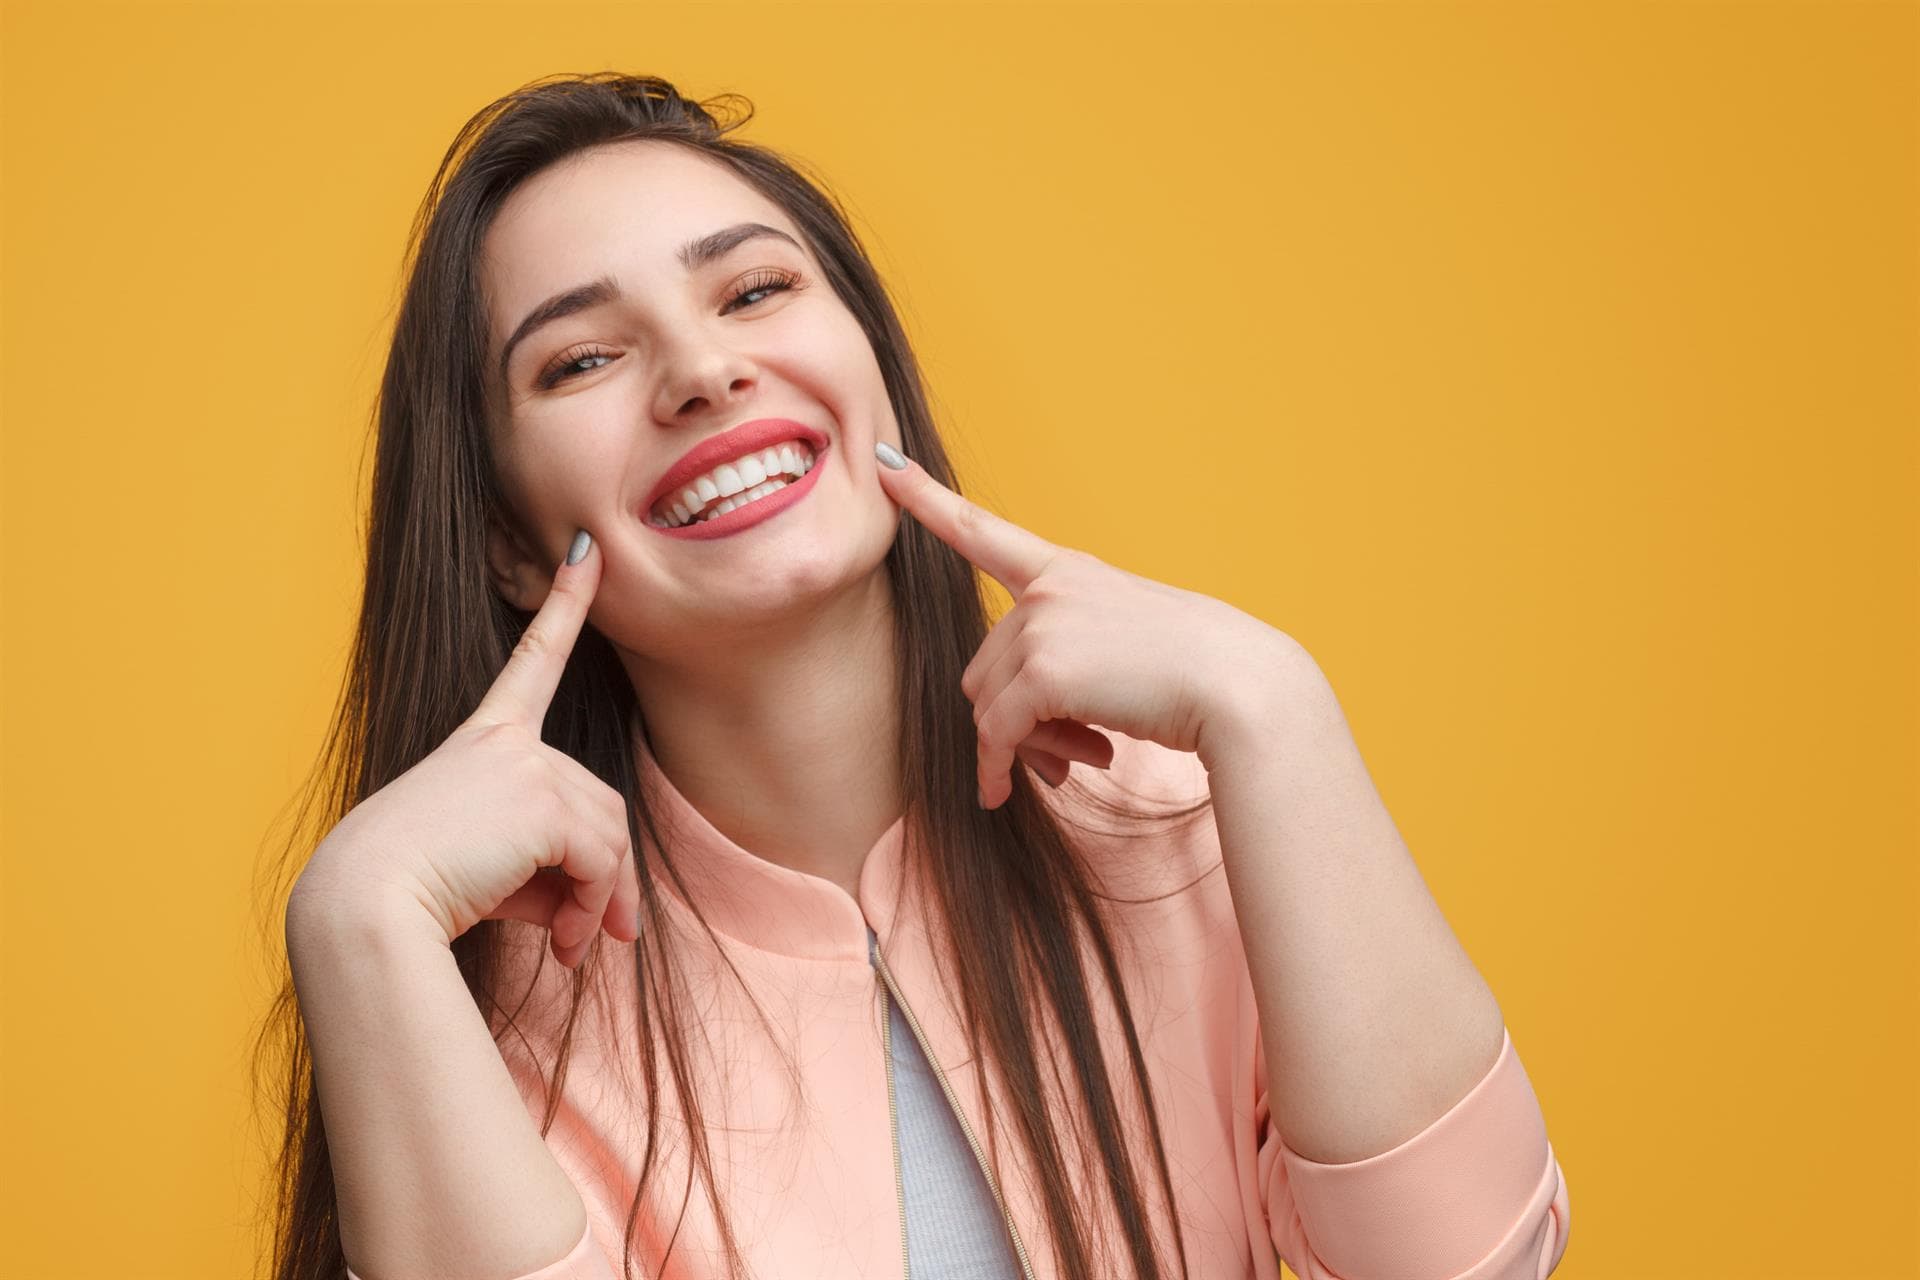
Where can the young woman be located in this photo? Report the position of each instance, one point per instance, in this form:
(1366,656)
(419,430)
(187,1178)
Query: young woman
(671,664)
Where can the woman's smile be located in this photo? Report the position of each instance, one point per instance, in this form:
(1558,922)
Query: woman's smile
(776,494)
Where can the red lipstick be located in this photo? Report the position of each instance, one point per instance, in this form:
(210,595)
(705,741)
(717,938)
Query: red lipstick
(728,445)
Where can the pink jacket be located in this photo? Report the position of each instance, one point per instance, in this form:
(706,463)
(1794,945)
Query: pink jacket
(810,1182)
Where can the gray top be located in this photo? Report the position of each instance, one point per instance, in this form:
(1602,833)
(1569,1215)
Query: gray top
(954,1227)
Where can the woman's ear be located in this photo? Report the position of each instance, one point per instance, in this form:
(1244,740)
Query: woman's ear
(513,568)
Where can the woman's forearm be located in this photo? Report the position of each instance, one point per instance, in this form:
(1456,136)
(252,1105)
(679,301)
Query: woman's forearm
(439,1169)
(1374,1020)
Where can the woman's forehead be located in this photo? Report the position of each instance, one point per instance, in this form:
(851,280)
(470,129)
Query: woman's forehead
(637,202)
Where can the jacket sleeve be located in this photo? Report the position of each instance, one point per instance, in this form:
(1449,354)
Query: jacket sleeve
(1476,1195)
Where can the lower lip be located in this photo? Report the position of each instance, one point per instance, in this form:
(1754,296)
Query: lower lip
(753,513)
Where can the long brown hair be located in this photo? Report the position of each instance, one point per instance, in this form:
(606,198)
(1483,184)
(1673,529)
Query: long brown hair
(432,635)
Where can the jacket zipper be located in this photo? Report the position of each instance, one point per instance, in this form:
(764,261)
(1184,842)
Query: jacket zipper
(873,947)
(893,1114)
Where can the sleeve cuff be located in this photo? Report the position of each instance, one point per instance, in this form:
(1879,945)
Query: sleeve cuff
(1476,1195)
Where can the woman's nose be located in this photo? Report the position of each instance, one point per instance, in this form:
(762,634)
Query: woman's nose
(702,374)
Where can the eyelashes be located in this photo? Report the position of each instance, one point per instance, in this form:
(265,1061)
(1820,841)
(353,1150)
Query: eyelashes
(769,281)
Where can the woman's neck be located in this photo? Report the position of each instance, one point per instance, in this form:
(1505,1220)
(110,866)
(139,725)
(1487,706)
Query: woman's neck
(790,751)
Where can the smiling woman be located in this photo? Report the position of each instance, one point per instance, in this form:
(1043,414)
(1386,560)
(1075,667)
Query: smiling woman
(655,676)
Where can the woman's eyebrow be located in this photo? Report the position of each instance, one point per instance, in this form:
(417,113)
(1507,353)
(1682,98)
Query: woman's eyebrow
(693,255)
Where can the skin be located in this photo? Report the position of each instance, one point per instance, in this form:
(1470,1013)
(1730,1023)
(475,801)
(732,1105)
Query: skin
(765,659)
(1374,1020)
(765,664)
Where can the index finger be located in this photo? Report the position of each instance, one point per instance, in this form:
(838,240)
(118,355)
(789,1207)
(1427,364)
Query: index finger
(524,688)
(1009,554)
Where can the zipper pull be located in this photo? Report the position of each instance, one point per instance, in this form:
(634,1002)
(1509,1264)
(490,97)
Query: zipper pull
(873,948)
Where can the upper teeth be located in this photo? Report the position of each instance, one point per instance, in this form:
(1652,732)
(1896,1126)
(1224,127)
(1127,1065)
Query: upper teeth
(791,459)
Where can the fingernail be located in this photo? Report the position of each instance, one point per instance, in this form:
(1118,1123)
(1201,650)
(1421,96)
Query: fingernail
(578,552)
(889,456)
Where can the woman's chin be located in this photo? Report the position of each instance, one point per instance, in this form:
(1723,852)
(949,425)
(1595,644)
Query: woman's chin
(798,575)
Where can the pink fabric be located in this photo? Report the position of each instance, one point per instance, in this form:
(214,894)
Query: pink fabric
(809,1181)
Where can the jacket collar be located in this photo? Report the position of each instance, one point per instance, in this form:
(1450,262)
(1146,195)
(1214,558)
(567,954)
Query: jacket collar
(760,903)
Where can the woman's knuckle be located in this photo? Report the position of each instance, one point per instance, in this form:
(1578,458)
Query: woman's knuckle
(532,642)
(972,517)
(1040,677)
(555,813)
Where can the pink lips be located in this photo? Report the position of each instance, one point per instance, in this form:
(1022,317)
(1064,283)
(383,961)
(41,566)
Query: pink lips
(728,445)
(753,513)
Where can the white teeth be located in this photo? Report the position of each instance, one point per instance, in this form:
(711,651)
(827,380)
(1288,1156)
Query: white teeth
(740,500)
(734,481)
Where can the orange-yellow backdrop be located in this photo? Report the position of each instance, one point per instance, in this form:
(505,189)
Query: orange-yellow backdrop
(1548,371)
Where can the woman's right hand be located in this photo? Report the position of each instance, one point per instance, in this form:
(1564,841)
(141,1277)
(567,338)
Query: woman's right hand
(496,824)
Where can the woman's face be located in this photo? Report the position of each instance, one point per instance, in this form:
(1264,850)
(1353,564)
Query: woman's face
(594,408)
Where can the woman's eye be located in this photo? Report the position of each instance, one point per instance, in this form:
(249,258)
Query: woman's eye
(770,281)
(567,367)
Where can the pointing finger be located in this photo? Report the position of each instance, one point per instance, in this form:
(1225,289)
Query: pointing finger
(1009,554)
(524,689)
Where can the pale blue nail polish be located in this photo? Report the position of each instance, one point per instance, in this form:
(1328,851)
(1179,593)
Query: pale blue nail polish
(889,456)
(578,552)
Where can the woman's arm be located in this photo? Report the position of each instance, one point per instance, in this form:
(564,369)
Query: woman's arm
(1375,1020)
(439,1168)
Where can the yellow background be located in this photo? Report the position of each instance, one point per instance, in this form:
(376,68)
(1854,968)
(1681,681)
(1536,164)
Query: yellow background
(1548,371)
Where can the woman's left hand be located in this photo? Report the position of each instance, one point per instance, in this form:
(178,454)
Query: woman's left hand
(1087,644)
